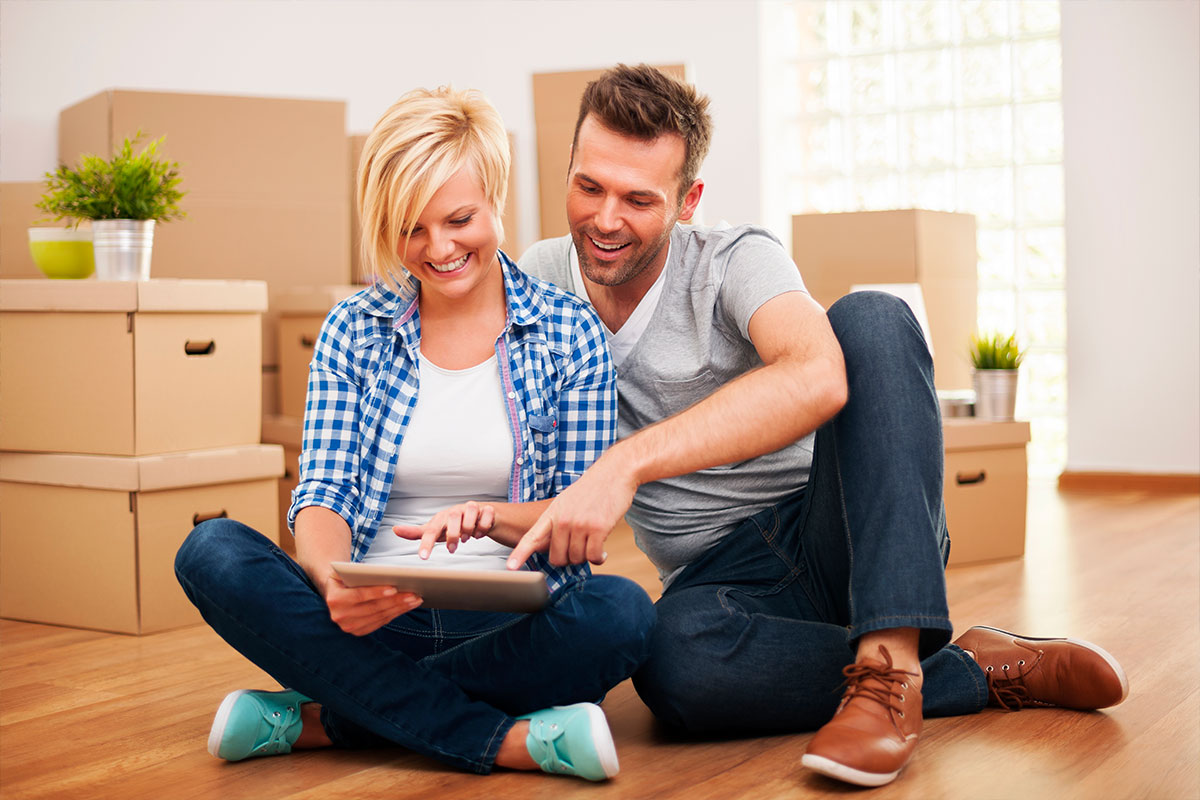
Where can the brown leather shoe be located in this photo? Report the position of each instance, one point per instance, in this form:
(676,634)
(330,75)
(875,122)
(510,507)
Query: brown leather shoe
(1023,671)
(874,731)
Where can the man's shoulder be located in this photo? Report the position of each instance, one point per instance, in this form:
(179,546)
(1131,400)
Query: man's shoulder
(698,242)
(549,260)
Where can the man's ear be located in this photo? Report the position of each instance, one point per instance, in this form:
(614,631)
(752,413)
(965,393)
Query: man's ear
(691,200)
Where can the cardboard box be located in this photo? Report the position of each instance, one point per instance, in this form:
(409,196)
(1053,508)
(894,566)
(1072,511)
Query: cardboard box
(555,109)
(986,489)
(17,213)
(931,248)
(125,368)
(90,541)
(266,182)
(358,270)
(301,313)
(287,432)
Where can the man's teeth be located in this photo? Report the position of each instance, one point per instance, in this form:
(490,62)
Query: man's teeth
(453,265)
(604,246)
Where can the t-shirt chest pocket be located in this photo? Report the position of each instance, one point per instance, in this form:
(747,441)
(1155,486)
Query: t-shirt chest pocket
(679,395)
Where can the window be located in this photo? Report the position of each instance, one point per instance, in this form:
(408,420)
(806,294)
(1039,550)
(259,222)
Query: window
(949,105)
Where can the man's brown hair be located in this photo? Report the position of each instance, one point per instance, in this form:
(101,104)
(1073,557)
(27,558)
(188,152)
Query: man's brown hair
(645,103)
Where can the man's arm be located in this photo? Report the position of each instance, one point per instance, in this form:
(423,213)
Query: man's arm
(801,385)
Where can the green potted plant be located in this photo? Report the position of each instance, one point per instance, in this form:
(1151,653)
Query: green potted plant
(996,359)
(123,197)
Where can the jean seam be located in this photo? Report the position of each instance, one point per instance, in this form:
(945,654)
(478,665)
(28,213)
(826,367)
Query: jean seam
(974,671)
(313,671)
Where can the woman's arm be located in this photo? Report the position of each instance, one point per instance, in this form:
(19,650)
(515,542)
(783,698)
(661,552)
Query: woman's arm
(322,537)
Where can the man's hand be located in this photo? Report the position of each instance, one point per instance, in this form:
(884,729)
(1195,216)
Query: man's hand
(365,609)
(577,523)
(452,525)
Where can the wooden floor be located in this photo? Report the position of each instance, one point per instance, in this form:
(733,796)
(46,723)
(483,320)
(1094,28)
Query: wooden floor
(91,715)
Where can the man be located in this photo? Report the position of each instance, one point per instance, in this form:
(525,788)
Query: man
(781,466)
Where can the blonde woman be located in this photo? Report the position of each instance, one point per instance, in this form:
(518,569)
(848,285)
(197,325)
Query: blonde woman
(447,404)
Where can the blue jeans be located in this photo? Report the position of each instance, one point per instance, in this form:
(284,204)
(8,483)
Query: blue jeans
(753,636)
(443,683)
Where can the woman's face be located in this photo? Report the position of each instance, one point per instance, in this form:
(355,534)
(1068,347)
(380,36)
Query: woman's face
(452,248)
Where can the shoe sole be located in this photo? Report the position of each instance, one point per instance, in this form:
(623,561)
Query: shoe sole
(841,772)
(221,720)
(1095,648)
(606,751)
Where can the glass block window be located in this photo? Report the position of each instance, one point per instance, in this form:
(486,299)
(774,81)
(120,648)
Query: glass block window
(948,105)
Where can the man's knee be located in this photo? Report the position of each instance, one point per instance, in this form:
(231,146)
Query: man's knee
(877,328)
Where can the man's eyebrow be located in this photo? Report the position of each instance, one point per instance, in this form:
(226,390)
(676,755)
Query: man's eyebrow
(583,176)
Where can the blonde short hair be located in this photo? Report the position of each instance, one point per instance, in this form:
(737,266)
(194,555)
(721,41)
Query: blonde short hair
(418,144)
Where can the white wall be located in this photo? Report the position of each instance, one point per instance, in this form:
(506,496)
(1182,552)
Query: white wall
(56,52)
(1131,108)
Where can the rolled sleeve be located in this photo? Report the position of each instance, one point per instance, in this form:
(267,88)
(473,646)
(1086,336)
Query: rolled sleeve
(329,462)
(587,402)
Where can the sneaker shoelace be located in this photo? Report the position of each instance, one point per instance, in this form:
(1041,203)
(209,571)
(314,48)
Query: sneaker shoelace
(880,682)
(1007,686)
(281,723)
(546,733)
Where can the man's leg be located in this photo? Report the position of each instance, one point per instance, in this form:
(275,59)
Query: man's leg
(881,461)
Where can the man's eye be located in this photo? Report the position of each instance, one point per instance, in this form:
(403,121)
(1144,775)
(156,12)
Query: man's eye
(589,189)
(639,203)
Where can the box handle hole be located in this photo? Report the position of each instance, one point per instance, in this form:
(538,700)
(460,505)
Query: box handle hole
(968,479)
(308,341)
(197,518)
(199,348)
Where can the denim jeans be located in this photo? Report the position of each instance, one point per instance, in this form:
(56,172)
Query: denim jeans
(443,683)
(753,636)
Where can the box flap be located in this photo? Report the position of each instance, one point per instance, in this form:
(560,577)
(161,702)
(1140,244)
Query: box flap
(286,431)
(145,473)
(162,294)
(312,299)
(964,433)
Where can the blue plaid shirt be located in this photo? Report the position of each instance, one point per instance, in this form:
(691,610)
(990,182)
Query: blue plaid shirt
(362,388)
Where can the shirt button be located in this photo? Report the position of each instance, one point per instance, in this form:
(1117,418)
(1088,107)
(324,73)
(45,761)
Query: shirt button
(511,395)
(520,460)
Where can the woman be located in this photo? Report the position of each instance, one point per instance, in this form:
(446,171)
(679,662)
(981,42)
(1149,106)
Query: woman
(456,385)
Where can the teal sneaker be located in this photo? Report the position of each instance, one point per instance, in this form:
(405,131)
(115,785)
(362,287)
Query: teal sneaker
(251,723)
(572,740)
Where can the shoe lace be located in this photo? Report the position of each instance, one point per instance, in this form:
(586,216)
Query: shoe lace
(1007,686)
(876,681)
(545,734)
(281,722)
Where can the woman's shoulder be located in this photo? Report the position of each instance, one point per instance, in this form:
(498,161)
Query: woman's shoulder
(552,303)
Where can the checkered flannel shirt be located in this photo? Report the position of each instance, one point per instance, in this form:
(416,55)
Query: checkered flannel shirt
(558,379)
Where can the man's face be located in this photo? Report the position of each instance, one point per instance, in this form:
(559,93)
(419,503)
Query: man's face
(622,201)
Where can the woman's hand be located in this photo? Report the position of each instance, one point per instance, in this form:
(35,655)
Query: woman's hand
(365,609)
(461,522)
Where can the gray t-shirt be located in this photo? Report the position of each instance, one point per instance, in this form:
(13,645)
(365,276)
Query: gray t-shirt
(697,340)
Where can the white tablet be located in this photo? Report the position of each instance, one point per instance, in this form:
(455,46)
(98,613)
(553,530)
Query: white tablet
(469,589)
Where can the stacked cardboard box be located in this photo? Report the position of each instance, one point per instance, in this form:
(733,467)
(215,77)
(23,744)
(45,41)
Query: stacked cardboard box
(130,413)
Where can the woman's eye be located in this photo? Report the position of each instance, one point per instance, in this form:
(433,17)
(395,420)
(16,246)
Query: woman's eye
(462,220)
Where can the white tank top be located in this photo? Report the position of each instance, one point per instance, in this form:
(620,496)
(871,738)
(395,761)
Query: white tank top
(457,447)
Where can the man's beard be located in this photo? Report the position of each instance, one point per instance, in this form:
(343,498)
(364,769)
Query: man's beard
(616,273)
